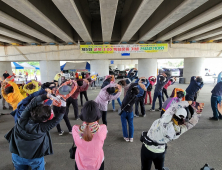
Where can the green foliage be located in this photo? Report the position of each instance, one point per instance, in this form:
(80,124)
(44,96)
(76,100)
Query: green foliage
(30,72)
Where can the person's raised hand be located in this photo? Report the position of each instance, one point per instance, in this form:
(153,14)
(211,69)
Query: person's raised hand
(135,69)
(164,74)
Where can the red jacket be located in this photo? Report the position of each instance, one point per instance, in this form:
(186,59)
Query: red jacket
(79,89)
(168,84)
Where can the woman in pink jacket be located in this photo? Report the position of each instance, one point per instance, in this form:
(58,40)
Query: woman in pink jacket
(89,139)
(152,80)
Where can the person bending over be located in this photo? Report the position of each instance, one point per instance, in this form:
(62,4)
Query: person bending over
(85,92)
(106,94)
(31,87)
(161,81)
(127,111)
(177,95)
(152,80)
(196,83)
(169,127)
(132,74)
(29,139)
(169,83)
(141,96)
(11,93)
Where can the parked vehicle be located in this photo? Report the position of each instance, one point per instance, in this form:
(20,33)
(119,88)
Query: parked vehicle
(122,74)
(175,72)
(112,73)
(208,72)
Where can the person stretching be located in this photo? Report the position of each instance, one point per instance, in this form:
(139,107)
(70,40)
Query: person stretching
(170,82)
(106,94)
(152,80)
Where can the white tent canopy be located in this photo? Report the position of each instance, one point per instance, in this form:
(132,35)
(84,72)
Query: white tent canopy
(72,66)
(27,66)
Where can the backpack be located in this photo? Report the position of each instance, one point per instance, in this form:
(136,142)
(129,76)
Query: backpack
(150,87)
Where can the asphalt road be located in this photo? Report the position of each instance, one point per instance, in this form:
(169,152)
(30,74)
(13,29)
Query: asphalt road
(191,151)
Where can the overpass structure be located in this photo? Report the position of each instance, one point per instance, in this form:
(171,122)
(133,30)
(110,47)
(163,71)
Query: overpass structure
(53,30)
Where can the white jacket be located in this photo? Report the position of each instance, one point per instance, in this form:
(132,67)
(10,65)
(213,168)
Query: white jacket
(164,130)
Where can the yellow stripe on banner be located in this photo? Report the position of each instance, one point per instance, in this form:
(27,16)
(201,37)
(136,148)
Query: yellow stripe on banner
(210,41)
(15,44)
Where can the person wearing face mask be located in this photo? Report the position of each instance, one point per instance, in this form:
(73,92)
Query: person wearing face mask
(196,84)
(169,127)
(106,94)
(29,139)
(177,95)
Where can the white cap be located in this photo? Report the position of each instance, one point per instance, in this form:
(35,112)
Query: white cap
(181,112)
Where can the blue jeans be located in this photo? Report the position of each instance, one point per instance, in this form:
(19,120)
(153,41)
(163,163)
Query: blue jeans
(127,116)
(113,103)
(214,101)
(159,95)
(23,163)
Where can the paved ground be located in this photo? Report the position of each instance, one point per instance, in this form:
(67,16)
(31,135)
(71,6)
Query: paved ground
(191,151)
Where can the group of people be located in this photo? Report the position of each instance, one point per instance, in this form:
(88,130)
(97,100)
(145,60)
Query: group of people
(43,109)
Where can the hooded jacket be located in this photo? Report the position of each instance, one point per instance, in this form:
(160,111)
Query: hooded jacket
(132,77)
(13,98)
(33,90)
(163,130)
(193,87)
(29,139)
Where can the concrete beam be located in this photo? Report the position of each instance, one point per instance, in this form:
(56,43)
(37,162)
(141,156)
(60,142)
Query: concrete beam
(179,12)
(8,40)
(30,11)
(14,23)
(16,36)
(204,17)
(217,37)
(108,13)
(207,35)
(201,30)
(76,18)
(135,19)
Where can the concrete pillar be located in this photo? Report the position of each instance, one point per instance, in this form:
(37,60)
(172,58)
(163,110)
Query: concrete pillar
(99,66)
(136,66)
(120,67)
(147,67)
(193,67)
(48,70)
(5,66)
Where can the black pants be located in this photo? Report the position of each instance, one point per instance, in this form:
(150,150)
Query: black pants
(59,110)
(189,109)
(101,167)
(104,113)
(85,95)
(161,113)
(147,157)
(65,117)
(164,92)
(93,83)
(139,100)
(74,103)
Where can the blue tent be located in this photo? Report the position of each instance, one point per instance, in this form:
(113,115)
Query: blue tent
(16,65)
(62,67)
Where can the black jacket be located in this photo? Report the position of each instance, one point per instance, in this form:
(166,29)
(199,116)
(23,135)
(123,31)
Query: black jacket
(29,139)
(129,98)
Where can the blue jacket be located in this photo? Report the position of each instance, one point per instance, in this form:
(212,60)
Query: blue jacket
(22,104)
(160,84)
(193,87)
(219,77)
(132,77)
(141,91)
(217,90)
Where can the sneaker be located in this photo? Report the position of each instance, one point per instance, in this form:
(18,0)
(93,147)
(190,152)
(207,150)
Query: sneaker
(77,118)
(136,115)
(61,133)
(152,110)
(150,104)
(114,110)
(126,139)
(70,132)
(4,108)
(131,139)
(213,118)
(144,115)
(159,110)
(10,108)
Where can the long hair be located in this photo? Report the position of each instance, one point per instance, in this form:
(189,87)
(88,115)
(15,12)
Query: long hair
(87,134)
